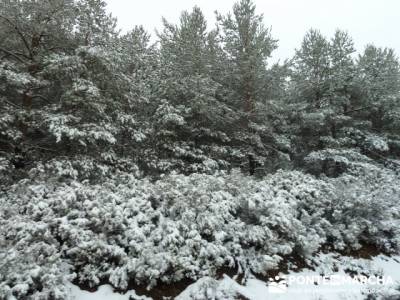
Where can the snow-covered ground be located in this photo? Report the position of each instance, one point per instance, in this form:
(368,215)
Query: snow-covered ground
(328,281)
(105,292)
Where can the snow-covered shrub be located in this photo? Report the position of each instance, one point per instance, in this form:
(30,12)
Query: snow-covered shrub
(292,209)
(126,228)
(30,264)
(376,143)
(180,226)
(209,288)
(84,167)
(333,162)
(367,208)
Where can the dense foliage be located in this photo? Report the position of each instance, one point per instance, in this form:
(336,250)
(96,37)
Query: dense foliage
(123,160)
(56,228)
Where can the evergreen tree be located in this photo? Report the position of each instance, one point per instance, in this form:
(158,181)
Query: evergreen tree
(191,118)
(342,71)
(64,88)
(312,69)
(248,44)
(379,79)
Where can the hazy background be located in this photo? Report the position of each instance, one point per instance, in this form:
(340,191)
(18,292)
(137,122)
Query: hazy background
(368,21)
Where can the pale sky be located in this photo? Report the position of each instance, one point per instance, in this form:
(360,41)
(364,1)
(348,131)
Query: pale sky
(367,21)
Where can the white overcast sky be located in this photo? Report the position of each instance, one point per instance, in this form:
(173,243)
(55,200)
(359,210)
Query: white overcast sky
(368,21)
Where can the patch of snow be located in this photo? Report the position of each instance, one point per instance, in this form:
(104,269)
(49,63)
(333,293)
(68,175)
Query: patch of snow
(104,292)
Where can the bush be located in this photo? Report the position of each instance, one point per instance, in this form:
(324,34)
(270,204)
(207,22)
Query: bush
(185,226)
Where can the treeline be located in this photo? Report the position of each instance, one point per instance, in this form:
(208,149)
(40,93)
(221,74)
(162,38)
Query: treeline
(74,91)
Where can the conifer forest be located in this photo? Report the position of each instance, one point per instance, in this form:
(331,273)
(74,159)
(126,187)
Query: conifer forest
(164,163)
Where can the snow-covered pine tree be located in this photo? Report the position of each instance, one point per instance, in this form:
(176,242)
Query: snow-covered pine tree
(342,71)
(311,70)
(378,72)
(65,86)
(193,122)
(248,44)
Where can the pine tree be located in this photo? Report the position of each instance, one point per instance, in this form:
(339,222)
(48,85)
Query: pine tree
(342,71)
(197,116)
(248,44)
(378,78)
(64,81)
(312,68)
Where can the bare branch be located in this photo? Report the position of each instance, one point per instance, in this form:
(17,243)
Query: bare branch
(31,146)
(12,104)
(20,34)
(41,97)
(359,109)
(15,55)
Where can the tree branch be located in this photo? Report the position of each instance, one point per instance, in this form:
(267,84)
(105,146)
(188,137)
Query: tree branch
(9,53)
(31,146)
(41,97)
(359,109)
(20,34)
(12,104)
(384,158)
